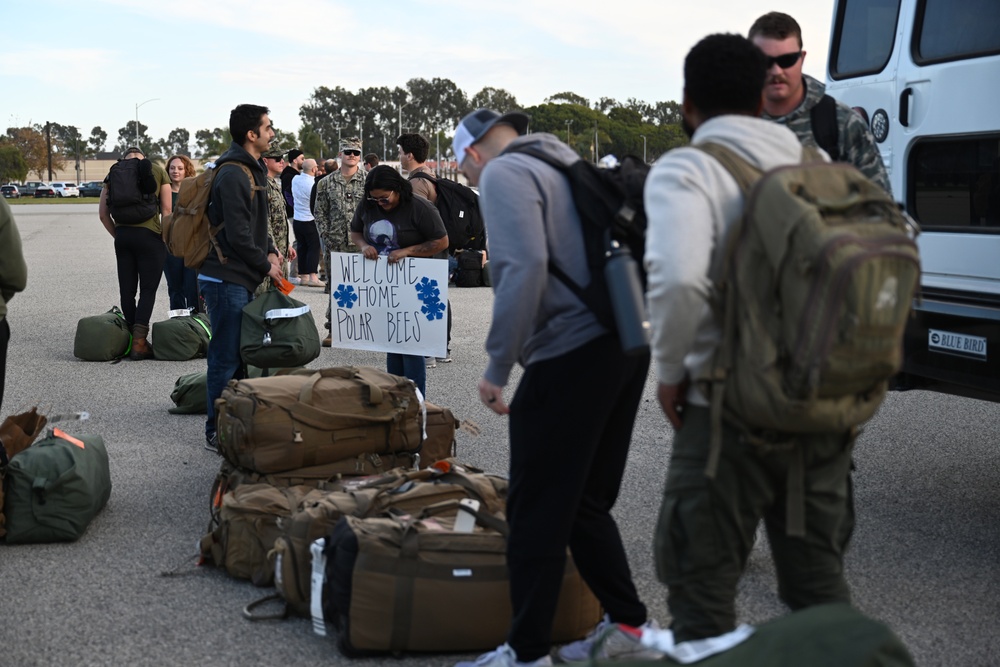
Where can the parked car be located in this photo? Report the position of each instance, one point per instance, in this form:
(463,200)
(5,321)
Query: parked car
(44,190)
(91,189)
(66,189)
(29,187)
(10,192)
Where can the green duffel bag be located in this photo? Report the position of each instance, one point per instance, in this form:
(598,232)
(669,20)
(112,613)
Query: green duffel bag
(182,337)
(278,332)
(55,488)
(828,635)
(102,337)
(190,394)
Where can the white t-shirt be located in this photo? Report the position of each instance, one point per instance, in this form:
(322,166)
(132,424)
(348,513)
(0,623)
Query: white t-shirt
(301,189)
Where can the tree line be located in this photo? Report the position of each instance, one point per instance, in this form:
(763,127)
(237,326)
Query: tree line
(377,115)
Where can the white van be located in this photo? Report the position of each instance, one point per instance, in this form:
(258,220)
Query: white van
(926,73)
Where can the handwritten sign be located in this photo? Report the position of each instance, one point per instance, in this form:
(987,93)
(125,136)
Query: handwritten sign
(401,307)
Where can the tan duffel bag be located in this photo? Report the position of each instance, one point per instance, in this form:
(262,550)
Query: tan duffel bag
(400,491)
(440,441)
(311,418)
(415,584)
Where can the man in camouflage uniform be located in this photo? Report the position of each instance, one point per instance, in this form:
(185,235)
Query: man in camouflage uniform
(337,197)
(277,220)
(790,96)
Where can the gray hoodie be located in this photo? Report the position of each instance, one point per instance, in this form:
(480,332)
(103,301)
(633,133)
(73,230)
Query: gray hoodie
(529,212)
(691,203)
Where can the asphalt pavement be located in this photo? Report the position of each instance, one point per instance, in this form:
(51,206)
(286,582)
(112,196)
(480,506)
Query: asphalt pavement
(925,557)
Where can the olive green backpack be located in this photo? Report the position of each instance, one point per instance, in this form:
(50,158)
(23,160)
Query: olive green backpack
(819,276)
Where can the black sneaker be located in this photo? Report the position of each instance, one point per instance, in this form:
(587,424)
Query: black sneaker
(212,443)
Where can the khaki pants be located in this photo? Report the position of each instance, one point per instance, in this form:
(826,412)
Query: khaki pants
(706,527)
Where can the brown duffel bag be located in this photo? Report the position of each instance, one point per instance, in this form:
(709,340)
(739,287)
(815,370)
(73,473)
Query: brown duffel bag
(440,441)
(400,491)
(243,531)
(414,584)
(311,418)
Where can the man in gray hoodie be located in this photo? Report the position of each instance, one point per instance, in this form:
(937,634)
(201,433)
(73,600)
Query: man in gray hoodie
(706,526)
(572,414)
(239,204)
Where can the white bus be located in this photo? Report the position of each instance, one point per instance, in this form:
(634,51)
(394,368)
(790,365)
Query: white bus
(926,73)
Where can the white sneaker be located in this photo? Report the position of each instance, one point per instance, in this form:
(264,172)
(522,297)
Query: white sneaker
(430,362)
(504,656)
(607,642)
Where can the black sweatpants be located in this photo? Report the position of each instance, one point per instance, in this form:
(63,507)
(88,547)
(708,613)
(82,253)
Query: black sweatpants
(141,254)
(4,340)
(307,237)
(570,427)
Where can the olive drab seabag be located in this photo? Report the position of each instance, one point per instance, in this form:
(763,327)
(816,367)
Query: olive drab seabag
(187,231)
(313,418)
(278,332)
(102,337)
(55,488)
(181,337)
(819,277)
(190,394)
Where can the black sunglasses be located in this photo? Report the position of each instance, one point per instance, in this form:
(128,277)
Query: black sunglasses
(784,61)
(351,152)
(380,200)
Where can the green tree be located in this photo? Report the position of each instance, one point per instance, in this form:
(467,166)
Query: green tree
(98,138)
(71,144)
(435,104)
(311,143)
(127,138)
(30,141)
(212,143)
(13,168)
(284,140)
(568,98)
(497,99)
(176,143)
(665,113)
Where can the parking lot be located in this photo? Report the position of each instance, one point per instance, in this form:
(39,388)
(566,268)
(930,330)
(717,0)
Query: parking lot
(925,558)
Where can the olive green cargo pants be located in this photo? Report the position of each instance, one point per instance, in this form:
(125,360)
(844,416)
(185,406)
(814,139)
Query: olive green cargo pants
(706,527)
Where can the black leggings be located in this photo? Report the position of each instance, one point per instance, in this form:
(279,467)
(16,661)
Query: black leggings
(308,238)
(4,339)
(140,254)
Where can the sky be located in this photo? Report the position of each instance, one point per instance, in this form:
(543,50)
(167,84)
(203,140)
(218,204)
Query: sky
(187,63)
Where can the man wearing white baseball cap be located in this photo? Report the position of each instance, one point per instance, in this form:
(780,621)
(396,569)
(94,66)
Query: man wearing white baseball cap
(575,405)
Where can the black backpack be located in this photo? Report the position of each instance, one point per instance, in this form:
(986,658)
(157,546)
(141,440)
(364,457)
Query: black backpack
(132,191)
(459,208)
(609,202)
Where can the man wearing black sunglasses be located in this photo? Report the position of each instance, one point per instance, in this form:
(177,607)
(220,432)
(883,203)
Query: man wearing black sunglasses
(337,197)
(800,102)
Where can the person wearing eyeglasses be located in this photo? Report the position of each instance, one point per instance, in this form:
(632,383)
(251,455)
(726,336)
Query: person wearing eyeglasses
(391,225)
(800,102)
(337,198)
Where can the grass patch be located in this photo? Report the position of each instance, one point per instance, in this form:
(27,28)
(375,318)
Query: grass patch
(54,200)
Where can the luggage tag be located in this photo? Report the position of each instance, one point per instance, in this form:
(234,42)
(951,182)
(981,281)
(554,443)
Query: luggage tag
(283,285)
(316,590)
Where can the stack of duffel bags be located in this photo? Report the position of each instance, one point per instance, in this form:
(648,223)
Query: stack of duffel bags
(331,493)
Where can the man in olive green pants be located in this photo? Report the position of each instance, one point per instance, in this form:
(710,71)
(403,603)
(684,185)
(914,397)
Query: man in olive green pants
(707,526)
(800,484)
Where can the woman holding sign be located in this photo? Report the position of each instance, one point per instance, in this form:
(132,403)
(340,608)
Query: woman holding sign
(393,224)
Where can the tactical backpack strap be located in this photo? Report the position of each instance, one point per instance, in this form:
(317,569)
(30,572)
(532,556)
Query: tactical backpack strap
(823,117)
(746,175)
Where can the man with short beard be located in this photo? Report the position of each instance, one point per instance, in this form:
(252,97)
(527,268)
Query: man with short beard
(800,102)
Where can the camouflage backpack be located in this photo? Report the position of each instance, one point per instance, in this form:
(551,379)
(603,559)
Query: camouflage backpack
(819,276)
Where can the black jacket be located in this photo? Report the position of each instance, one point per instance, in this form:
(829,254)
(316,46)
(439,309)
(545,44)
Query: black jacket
(244,239)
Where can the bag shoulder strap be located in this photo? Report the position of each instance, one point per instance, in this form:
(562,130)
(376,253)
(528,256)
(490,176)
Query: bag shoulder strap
(823,117)
(246,170)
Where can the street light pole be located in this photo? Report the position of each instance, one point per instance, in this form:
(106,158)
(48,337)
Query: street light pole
(400,120)
(567,129)
(152,99)
(643,147)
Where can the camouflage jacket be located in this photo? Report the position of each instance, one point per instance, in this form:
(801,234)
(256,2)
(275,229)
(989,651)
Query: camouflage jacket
(857,145)
(336,201)
(277,221)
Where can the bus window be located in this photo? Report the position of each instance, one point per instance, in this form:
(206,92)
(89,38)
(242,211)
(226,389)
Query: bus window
(956,29)
(956,183)
(863,37)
